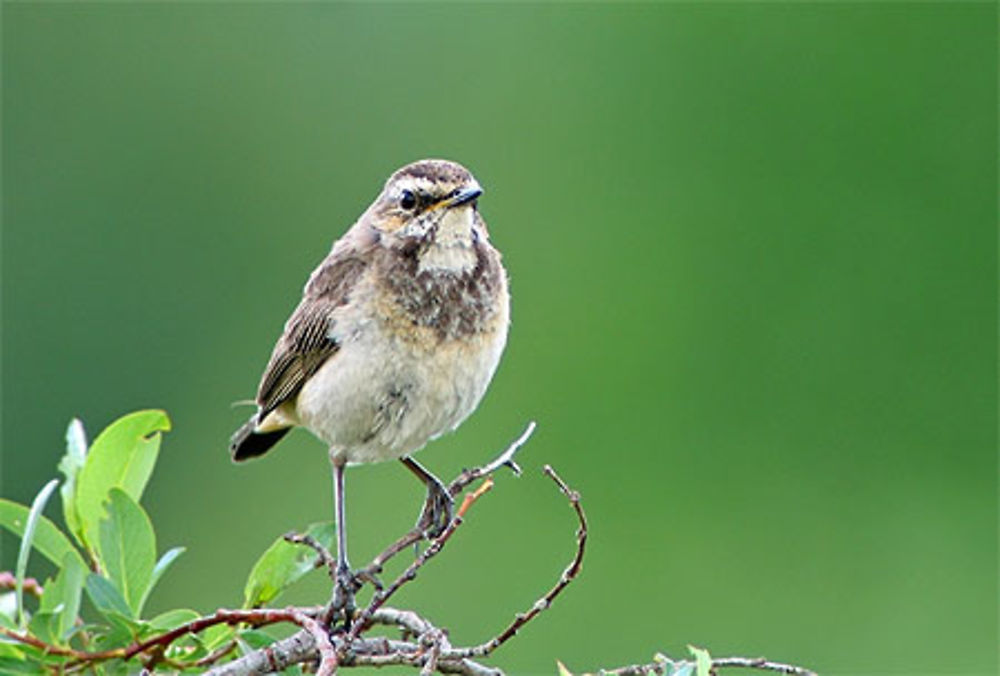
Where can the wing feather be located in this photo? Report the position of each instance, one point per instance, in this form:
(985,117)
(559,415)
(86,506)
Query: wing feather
(307,341)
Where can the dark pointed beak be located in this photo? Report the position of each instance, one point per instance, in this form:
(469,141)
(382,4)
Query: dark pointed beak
(463,196)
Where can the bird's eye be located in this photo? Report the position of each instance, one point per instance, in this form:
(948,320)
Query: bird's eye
(408,200)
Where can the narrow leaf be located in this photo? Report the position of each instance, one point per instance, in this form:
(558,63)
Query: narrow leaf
(105,597)
(62,596)
(282,564)
(127,548)
(158,570)
(29,534)
(48,540)
(563,671)
(122,457)
(70,466)
(702,660)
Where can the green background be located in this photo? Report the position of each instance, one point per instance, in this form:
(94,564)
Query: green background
(752,252)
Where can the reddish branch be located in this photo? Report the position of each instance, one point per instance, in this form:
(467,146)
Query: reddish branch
(30,586)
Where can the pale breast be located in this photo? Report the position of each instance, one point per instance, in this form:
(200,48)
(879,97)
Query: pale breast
(417,353)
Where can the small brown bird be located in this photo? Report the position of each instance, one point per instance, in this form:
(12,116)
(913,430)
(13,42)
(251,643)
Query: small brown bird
(398,334)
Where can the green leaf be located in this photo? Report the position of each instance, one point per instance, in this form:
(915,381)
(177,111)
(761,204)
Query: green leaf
(11,650)
(13,665)
(127,548)
(158,570)
(30,525)
(120,631)
(105,597)
(172,619)
(122,457)
(702,660)
(282,564)
(213,637)
(253,639)
(48,540)
(44,625)
(62,596)
(70,466)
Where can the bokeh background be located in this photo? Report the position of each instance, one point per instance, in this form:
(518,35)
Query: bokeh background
(752,250)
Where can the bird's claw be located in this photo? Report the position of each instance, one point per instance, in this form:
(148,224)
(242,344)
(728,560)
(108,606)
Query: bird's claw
(439,508)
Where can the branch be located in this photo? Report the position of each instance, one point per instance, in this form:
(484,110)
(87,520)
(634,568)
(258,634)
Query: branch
(381,596)
(466,477)
(663,665)
(430,650)
(568,575)
(31,585)
(762,664)
(375,651)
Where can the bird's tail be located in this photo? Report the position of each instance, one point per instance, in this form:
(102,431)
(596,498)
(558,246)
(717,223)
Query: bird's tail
(246,442)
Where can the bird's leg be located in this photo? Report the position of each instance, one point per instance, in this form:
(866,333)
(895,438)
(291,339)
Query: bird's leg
(439,507)
(345,584)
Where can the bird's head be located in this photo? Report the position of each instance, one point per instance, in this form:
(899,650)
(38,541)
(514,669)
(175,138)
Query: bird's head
(430,201)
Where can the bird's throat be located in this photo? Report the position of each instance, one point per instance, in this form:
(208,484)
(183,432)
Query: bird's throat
(451,245)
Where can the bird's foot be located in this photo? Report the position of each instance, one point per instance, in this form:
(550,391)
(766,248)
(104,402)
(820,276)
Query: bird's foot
(345,585)
(439,508)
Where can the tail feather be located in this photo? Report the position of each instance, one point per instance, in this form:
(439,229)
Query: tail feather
(247,443)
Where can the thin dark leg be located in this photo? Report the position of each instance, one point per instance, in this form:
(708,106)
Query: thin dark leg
(439,507)
(338,496)
(345,585)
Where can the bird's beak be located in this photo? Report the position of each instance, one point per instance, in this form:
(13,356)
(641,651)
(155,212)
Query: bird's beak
(463,196)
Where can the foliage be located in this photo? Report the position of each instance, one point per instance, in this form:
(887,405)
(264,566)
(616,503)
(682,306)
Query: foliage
(109,558)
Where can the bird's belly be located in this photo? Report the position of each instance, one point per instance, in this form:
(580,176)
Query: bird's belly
(380,398)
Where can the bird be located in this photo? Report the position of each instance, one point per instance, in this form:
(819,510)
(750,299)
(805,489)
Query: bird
(398,334)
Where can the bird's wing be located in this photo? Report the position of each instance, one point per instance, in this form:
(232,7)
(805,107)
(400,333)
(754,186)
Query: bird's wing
(306,343)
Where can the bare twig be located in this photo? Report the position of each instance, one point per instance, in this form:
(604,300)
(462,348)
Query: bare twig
(505,459)
(663,665)
(568,575)
(760,663)
(466,477)
(380,597)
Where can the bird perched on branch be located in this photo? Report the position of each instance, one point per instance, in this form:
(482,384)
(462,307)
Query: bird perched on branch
(397,336)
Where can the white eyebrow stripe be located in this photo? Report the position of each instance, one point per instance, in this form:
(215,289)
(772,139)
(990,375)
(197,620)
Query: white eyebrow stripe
(419,184)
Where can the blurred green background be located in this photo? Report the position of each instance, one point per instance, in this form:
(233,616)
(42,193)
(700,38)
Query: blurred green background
(752,250)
